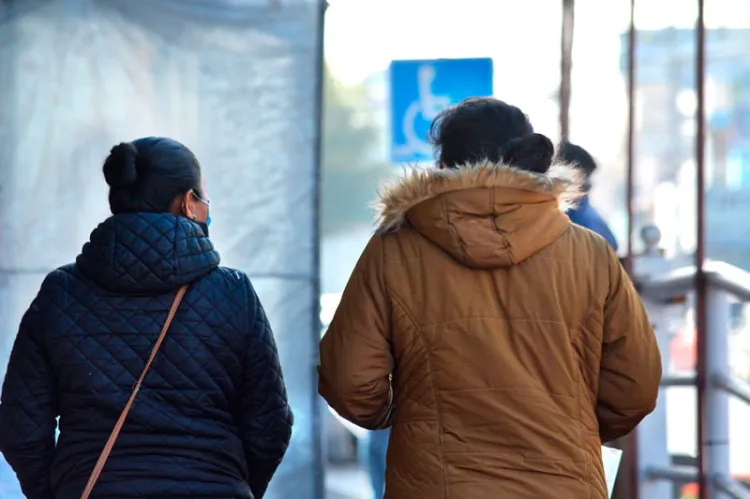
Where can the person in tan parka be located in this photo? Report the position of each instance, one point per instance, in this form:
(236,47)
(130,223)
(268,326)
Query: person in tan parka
(502,343)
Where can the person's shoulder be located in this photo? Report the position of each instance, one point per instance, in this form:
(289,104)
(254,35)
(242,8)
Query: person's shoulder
(225,291)
(589,236)
(229,274)
(225,278)
(590,245)
(402,244)
(59,287)
(65,277)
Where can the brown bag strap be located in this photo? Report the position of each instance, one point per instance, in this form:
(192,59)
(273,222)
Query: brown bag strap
(116,431)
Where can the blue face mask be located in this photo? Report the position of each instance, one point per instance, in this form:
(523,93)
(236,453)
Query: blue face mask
(204,225)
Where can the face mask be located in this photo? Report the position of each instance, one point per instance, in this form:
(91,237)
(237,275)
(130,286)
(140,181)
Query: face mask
(204,225)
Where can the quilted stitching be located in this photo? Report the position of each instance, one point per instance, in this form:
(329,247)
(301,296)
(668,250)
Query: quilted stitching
(138,252)
(212,418)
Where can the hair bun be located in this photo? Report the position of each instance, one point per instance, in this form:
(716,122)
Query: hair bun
(119,167)
(533,152)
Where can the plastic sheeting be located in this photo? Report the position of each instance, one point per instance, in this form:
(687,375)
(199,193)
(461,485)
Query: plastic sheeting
(233,80)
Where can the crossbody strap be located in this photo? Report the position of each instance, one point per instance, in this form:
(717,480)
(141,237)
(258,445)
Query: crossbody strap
(116,431)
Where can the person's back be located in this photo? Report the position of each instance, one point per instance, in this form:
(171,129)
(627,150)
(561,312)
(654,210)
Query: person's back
(211,418)
(515,342)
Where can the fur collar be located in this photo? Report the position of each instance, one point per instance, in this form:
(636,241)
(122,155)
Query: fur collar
(564,181)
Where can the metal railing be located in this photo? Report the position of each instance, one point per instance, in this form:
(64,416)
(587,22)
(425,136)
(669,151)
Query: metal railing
(679,282)
(657,474)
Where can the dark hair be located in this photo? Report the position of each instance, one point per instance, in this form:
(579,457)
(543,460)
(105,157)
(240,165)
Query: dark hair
(146,175)
(571,153)
(487,129)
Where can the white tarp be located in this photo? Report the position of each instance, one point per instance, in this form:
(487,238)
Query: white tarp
(233,80)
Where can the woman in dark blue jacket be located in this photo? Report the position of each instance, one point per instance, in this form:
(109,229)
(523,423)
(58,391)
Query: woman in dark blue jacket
(211,418)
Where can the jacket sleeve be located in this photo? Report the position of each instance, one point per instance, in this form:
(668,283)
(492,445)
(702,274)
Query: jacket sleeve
(630,369)
(28,409)
(354,375)
(265,418)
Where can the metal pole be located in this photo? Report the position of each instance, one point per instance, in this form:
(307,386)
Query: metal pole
(734,387)
(317,408)
(716,425)
(731,489)
(630,179)
(566,62)
(631,458)
(701,283)
(651,449)
(651,436)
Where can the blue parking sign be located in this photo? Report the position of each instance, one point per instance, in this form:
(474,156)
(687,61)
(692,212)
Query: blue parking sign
(420,90)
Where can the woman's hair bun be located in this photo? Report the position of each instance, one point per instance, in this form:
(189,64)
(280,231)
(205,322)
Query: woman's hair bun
(533,152)
(119,167)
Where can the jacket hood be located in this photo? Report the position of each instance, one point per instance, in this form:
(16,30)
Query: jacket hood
(486,215)
(137,253)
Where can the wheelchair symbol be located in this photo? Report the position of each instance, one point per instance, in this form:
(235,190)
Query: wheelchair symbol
(427,106)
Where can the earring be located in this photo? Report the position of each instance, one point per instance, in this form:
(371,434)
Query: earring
(193,218)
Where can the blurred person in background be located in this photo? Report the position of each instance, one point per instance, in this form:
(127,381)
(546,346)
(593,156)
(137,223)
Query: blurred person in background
(211,418)
(583,213)
(501,343)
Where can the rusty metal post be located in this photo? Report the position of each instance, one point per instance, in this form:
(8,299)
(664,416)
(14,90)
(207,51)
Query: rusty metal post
(630,176)
(318,414)
(701,284)
(627,485)
(566,62)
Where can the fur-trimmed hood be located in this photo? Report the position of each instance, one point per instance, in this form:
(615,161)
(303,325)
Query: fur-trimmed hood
(487,215)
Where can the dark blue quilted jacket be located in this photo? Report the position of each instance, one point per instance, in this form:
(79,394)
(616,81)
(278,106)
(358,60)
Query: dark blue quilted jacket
(211,419)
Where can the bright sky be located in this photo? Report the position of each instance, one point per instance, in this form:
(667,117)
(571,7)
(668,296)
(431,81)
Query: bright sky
(363,36)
